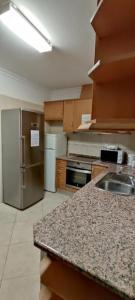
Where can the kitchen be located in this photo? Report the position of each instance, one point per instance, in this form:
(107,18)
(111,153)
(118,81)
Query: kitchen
(83,210)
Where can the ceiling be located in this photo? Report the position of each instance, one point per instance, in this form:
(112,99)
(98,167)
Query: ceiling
(68,24)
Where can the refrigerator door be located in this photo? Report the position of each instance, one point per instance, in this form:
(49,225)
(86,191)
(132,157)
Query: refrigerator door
(50,141)
(32,138)
(32,184)
(50,170)
(56,141)
(32,166)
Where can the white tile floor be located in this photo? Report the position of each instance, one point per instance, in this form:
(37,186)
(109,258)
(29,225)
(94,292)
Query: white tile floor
(19,259)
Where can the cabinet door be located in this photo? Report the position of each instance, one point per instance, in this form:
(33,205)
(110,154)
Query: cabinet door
(83,106)
(61,173)
(68,115)
(96,170)
(53,110)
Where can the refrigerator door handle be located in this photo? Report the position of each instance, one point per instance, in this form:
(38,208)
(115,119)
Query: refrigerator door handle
(23,151)
(23,186)
(34,165)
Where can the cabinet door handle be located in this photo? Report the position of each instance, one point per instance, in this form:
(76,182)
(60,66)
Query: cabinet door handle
(24,151)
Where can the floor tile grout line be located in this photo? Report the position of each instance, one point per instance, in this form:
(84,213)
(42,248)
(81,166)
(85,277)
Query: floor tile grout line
(22,276)
(24,221)
(20,243)
(8,249)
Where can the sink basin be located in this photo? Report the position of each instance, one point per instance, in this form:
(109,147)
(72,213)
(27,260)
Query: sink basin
(121,184)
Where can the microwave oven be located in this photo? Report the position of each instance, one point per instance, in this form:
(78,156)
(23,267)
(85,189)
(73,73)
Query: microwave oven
(113,156)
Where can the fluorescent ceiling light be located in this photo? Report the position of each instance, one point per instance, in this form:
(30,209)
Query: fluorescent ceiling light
(15,20)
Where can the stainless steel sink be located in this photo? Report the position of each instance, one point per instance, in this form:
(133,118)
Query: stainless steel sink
(122,184)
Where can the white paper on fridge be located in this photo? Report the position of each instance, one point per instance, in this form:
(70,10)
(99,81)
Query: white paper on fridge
(34,140)
(86,118)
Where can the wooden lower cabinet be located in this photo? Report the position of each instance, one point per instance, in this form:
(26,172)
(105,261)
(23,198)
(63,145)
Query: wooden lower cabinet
(65,283)
(96,170)
(45,294)
(61,173)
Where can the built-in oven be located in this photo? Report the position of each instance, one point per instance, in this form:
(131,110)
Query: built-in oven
(77,174)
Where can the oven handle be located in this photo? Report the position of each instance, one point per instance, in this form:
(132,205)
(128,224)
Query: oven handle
(79,170)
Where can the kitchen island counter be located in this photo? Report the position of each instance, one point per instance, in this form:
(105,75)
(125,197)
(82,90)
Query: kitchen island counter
(95,233)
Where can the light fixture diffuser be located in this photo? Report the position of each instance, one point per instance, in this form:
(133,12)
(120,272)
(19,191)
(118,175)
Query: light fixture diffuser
(18,23)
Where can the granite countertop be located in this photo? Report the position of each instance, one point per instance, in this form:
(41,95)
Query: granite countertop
(87,160)
(79,158)
(84,159)
(94,232)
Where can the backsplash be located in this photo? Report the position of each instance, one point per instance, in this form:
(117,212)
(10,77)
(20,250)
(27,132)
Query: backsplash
(91,143)
(54,127)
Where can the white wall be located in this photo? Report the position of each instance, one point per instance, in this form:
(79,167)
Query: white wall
(68,93)
(15,86)
(7,103)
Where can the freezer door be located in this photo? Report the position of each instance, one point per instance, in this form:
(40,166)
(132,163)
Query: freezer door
(56,141)
(32,122)
(32,184)
(50,170)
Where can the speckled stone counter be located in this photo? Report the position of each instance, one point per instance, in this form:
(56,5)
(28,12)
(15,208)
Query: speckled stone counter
(87,160)
(95,232)
(78,158)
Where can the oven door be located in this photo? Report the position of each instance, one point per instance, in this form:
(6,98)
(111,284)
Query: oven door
(77,177)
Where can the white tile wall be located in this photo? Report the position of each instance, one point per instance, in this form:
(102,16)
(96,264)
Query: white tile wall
(90,143)
(54,127)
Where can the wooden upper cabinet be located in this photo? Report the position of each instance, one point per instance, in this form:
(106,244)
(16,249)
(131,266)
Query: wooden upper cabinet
(86,91)
(68,116)
(68,111)
(83,106)
(73,110)
(113,18)
(54,110)
(114,71)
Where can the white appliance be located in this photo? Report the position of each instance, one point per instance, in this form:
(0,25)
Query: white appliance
(131,159)
(114,156)
(55,145)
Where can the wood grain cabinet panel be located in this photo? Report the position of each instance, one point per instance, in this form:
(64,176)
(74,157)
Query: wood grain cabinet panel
(86,91)
(61,176)
(61,173)
(54,110)
(114,69)
(73,110)
(96,170)
(70,284)
(83,106)
(68,116)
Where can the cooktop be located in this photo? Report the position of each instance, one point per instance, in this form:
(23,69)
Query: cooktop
(83,158)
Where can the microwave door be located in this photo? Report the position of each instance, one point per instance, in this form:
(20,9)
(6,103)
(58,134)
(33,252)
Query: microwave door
(109,156)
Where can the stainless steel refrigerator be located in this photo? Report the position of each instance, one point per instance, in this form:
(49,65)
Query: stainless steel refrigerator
(22,157)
